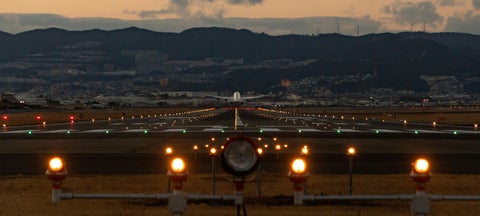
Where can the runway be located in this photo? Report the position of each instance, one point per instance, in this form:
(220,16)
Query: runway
(135,145)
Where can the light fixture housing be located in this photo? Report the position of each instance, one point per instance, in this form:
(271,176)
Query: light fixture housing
(240,156)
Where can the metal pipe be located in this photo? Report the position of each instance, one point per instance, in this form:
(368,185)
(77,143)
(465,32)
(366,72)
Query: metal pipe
(359,197)
(199,197)
(113,196)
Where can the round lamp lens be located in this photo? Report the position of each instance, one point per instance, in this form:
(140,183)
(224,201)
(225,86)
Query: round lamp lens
(421,165)
(299,166)
(177,165)
(55,164)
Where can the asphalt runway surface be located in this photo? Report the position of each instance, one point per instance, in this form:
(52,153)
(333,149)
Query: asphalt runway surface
(135,145)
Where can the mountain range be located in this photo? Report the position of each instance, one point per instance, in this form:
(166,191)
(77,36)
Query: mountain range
(412,61)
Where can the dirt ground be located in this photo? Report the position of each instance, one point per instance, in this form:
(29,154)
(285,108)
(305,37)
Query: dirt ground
(30,195)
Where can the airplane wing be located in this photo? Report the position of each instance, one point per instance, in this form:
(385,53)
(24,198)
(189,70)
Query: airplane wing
(219,97)
(253,97)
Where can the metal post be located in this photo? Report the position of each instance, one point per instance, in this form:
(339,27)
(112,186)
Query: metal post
(350,173)
(259,180)
(213,175)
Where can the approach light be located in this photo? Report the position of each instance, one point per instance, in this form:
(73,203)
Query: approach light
(434,124)
(213,139)
(168,151)
(177,165)
(213,152)
(259,139)
(265,146)
(55,164)
(195,148)
(351,151)
(304,151)
(475,126)
(71,118)
(298,166)
(260,151)
(274,139)
(5,118)
(278,147)
(240,156)
(404,122)
(38,118)
(421,166)
(285,146)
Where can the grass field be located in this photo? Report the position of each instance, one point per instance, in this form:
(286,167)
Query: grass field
(30,195)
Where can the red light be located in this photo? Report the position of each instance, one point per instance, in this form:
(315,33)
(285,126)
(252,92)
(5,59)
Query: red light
(38,117)
(71,118)
(5,117)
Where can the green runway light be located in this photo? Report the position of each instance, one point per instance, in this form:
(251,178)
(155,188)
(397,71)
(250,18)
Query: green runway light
(416,132)
(29,132)
(107,132)
(68,132)
(338,131)
(145,131)
(184,131)
(455,132)
(261,131)
(223,131)
(377,131)
(299,131)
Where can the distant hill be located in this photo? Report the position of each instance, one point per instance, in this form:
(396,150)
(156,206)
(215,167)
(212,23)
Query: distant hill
(394,60)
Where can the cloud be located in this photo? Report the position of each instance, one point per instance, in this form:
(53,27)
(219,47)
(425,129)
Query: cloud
(444,3)
(15,23)
(250,2)
(469,24)
(411,13)
(476,4)
(194,8)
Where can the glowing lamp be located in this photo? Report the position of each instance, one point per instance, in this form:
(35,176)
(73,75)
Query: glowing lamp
(195,147)
(421,166)
(304,151)
(259,151)
(351,152)
(299,166)
(213,151)
(55,164)
(56,172)
(38,118)
(278,147)
(177,165)
(71,118)
(168,151)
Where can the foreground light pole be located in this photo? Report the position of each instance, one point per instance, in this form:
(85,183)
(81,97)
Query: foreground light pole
(168,155)
(213,155)
(56,173)
(259,174)
(420,174)
(298,174)
(351,153)
(177,202)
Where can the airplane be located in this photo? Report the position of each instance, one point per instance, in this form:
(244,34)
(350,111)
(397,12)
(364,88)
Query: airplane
(237,98)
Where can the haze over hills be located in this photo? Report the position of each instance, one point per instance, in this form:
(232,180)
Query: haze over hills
(218,59)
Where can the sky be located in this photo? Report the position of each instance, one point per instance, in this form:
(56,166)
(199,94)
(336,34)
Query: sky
(348,17)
